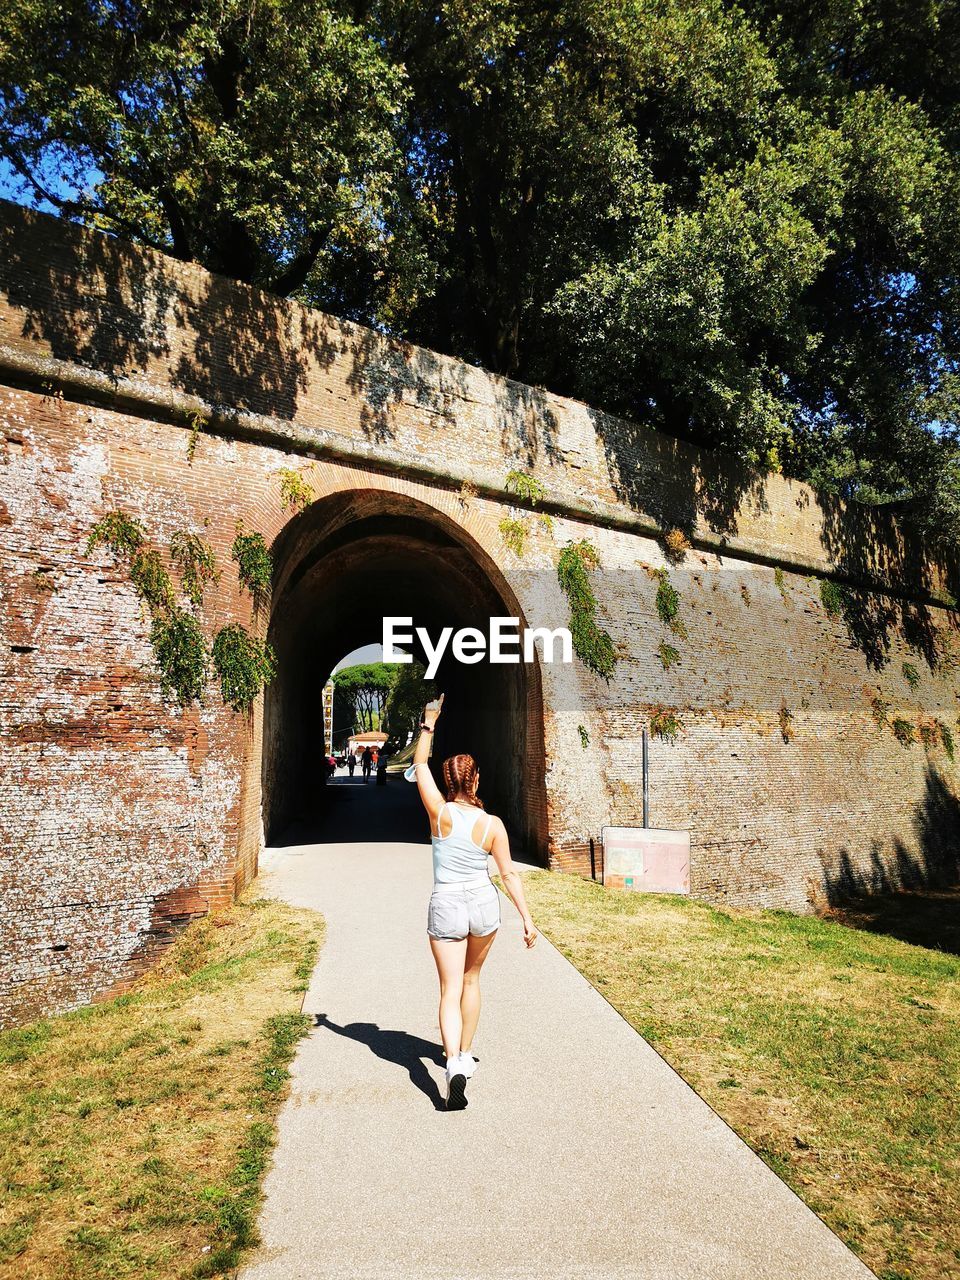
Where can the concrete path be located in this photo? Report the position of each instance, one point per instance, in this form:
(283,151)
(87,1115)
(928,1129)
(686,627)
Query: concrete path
(581,1155)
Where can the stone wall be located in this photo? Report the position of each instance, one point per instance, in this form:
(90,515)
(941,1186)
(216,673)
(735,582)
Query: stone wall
(125,816)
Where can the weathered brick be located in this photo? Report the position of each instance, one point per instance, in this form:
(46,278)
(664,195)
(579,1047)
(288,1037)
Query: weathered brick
(124,816)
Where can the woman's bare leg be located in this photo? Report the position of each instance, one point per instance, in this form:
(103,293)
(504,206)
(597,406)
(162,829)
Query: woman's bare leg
(477,951)
(449,957)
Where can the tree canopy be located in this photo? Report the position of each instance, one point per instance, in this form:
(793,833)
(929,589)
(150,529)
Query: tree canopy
(738,223)
(409,694)
(366,687)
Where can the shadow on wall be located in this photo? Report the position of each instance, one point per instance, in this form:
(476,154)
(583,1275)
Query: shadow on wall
(109,305)
(116,307)
(678,486)
(112,306)
(386,373)
(934,865)
(666,478)
(864,543)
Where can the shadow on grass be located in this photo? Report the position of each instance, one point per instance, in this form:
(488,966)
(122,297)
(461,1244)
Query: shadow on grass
(923,917)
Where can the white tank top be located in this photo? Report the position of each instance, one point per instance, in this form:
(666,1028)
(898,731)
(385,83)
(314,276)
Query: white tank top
(457,856)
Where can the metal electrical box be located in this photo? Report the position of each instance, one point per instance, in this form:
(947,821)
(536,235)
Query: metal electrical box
(646,859)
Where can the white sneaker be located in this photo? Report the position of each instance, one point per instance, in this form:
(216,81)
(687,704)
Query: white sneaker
(456,1085)
(467,1063)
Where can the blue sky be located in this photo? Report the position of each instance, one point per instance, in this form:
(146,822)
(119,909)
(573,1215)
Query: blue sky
(366,653)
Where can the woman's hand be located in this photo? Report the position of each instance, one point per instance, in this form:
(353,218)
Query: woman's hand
(432,711)
(530,934)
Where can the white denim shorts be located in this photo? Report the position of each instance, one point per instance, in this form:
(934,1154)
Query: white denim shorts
(455,910)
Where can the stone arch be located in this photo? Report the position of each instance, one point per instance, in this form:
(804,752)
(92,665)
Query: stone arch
(354,555)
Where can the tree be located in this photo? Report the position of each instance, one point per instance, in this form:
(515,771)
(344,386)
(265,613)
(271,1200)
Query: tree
(739,224)
(255,139)
(366,687)
(344,714)
(406,700)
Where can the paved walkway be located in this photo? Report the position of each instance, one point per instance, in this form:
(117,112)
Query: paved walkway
(581,1155)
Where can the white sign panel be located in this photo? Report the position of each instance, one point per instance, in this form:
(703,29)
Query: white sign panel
(646,859)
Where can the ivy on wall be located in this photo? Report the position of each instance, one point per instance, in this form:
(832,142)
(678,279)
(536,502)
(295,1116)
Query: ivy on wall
(665,723)
(196,422)
(119,533)
(254,563)
(242,663)
(152,582)
(195,561)
(591,643)
(181,654)
(524,486)
(669,655)
(514,530)
(514,534)
(832,597)
(295,491)
(668,604)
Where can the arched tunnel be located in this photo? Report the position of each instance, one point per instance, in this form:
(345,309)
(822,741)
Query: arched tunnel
(343,564)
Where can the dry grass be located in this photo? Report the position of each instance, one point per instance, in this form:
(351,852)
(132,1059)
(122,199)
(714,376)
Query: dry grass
(135,1133)
(834,1052)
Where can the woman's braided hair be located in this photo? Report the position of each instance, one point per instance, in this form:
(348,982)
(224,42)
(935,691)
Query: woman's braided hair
(460,779)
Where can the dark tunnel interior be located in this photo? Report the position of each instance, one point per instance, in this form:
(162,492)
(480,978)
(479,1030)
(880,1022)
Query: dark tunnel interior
(340,567)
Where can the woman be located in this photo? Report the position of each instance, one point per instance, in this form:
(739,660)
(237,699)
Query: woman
(464,911)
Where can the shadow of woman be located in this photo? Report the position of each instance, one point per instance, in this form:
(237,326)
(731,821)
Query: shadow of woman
(399,1047)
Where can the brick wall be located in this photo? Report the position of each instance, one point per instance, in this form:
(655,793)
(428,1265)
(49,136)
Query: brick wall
(125,816)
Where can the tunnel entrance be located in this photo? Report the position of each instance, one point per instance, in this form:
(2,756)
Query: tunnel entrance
(340,567)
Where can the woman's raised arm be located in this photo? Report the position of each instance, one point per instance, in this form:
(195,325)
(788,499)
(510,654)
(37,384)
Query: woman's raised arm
(429,791)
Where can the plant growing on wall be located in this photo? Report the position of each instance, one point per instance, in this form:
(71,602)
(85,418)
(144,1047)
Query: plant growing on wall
(946,737)
(195,560)
(119,533)
(591,643)
(584,736)
(179,647)
(676,544)
(903,731)
(526,487)
(295,492)
(929,731)
(514,534)
(665,723)
(832,597)
(514,530)
(181,654)
(667,602)
(196,423)
(254,563)
(780,582)
(878,706)
(151,580)
(668,655)
(911,674)
(243,665)
(785,718)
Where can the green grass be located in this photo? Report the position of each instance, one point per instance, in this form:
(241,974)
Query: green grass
(833,1051)
(134,1133)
